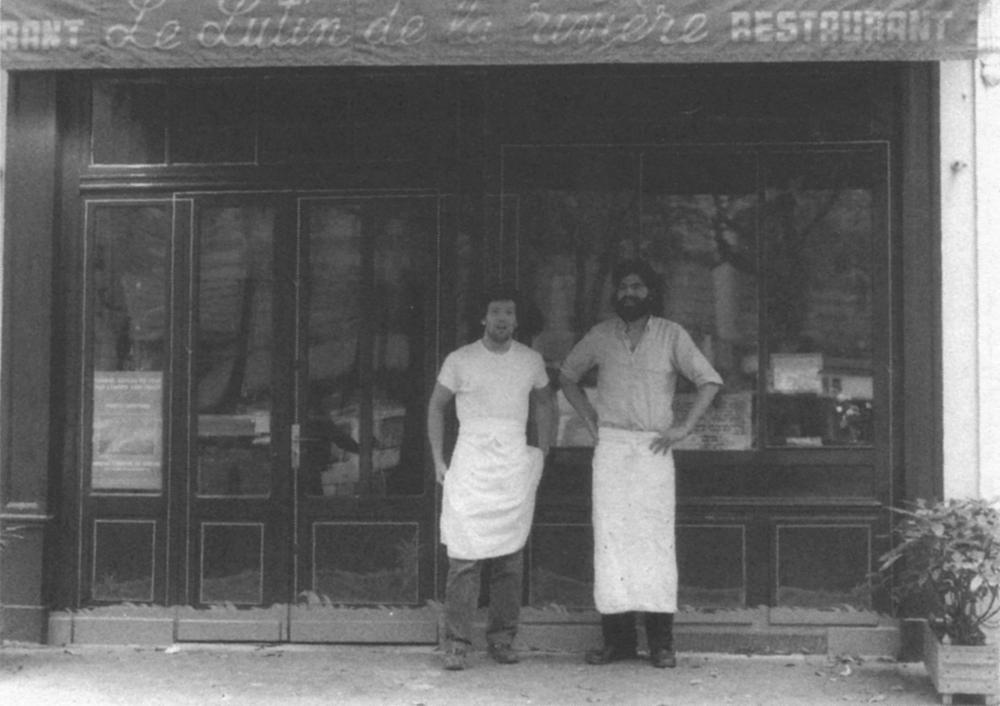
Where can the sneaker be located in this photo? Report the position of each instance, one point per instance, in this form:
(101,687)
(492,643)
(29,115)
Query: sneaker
(454,659)
(503,654)
(663,658)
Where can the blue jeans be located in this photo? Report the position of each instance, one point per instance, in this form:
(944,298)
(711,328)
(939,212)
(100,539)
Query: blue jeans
(505,575)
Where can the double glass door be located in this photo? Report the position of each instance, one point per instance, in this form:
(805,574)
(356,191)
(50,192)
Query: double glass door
(311,349)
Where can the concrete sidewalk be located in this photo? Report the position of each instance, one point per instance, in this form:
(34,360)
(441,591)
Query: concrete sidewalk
(200,674)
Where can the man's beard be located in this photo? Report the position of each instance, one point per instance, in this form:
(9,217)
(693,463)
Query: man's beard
(632,308)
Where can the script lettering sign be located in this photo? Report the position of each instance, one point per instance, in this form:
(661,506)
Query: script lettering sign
(74,34)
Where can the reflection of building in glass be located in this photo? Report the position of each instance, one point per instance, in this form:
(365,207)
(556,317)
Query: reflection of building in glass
(819,400)
(846,378)
(842,378)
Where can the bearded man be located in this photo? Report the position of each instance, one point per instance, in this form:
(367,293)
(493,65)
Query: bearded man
(489,487)
(638,356)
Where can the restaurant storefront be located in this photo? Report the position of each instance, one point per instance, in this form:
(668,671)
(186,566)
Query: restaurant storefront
(241,237)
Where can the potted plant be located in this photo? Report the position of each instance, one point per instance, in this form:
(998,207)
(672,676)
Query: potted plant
(946,565)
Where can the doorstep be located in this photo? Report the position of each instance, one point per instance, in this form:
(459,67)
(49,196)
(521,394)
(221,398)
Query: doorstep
(747,631)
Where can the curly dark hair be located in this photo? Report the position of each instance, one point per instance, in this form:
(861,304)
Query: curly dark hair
(649,277)
(500,292)
(529,318)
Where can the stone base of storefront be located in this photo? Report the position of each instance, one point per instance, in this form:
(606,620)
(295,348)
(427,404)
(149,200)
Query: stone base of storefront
(751,631)
(22,623)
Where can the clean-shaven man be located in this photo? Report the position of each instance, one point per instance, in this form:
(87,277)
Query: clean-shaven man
(489,486)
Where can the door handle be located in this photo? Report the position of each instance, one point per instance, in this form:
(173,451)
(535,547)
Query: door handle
(296,446)
(331,437)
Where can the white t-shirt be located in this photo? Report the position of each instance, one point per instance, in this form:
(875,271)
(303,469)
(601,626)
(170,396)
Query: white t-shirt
(490,385)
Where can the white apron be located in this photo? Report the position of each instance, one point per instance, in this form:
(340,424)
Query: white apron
(635,564)
(489,490)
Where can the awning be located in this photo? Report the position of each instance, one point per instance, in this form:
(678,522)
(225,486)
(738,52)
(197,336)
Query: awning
(146,34)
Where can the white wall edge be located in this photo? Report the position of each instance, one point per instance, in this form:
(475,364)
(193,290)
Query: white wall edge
(3,200)
(959,310)
(988,277)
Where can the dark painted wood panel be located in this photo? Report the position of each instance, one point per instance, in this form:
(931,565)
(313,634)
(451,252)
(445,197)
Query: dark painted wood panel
(918,243)
(30,215)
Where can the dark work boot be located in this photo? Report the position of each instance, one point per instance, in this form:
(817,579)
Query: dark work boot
(619,632)
(660,636)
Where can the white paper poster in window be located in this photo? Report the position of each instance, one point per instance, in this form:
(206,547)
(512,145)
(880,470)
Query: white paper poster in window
(128,431)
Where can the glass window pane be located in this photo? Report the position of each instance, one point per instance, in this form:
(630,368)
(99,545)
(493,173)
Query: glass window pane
(365,563)
(368,303)
(824,566)
(128,271)
(402,296)
(699,232)
(123,560)
(562,566)
(818,232)
(696,224)
(232,563)
(234,349)
(129,122)
(464,260)
(575,210)
(711,565)
(331,451)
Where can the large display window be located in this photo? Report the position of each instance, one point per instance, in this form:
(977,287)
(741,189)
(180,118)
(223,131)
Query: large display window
(774,260)
(768,258)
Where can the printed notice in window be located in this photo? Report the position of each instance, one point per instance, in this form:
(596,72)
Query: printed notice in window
(128,431)
(727,425)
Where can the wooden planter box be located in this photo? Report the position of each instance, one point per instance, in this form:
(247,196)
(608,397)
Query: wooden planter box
(962,669)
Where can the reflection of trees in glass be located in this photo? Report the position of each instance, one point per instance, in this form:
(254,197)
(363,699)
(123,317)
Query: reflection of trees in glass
(401,295)
(333,291)
(801,244)
(819,270)
(818,293)
(398,293)
(465,282)
(705,245)
(367,298)
(575,239)
(233,362)
(128,276)
(706,229)
(234,343)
